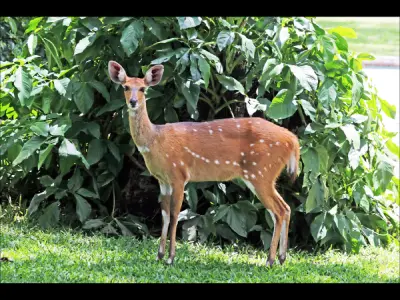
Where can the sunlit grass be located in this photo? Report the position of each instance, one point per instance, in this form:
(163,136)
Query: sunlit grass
(379,36)
(66,256)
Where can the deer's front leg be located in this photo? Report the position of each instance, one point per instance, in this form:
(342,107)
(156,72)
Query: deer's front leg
(165,197)
(176,204)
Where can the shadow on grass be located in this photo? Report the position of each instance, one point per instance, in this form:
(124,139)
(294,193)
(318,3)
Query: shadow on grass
(128,260)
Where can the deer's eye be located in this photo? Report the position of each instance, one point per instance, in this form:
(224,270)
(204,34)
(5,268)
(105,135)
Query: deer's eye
(141,89)
(126,88)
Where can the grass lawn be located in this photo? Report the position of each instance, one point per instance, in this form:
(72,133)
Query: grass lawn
(376,35)
(67,256)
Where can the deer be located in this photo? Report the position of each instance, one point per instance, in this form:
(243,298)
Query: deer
(252,149)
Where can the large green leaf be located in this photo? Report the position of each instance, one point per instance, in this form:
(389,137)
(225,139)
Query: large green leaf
(247,47)
(101,88)
(356,91)
(382,175)
(316,196)
(327,92)
(188,22)
(61,85)
(352,135)
(32,43)
(344,31)
(318,228)
(84,97)
(43,154)
(230,83)
(241,217)
(131,36)
(38,198)
(311,161)
(51,215)
(28,149)
(23,82)
(191,91)
(76,181)
(68,149)
(83,208)
(96,151)
(306,76)
(282,105)
(111,106)
(204,69)
(224,39)
(191,196)
(84,43)
(388,109)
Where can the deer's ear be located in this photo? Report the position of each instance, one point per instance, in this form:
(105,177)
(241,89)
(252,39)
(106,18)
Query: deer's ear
(116,72)
(153,75)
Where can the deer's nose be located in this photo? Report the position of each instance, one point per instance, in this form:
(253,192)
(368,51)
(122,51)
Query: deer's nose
(133,102)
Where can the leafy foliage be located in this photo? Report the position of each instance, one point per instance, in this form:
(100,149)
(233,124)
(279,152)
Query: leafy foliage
(65,143)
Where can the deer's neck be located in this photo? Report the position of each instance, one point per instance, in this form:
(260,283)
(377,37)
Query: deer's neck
(142,130)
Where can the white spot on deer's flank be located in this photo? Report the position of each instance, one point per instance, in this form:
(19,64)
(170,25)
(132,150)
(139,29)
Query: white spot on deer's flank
(242,153)
(244,161)
(251,145)
(245,171)
(249,122)
(227,162)
(235,163)
(207,160)
(174,164)
(166,155)
(216,162)
(203,158)
(210,131)
(268,153)
(182,163)
(270,166)
(270,145)
(252,152)
(259,172)
(253,176)
(277,143)
(246,176)
(194,129)
(220,129)
(261,141)
(238,125)
(287,145)
(254,163)
(197,155)
(265,169)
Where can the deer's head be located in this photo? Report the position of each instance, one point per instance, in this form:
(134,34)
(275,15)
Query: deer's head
(134,88)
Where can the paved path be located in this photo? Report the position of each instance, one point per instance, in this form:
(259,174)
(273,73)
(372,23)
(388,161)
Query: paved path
(386,80)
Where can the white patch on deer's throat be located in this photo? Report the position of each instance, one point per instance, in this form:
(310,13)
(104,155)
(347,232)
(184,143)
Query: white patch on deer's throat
(143,149)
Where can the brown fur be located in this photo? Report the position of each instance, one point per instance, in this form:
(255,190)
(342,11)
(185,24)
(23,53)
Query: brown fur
(220,150)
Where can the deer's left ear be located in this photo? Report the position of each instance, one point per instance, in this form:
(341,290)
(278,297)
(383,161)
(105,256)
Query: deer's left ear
(153,75)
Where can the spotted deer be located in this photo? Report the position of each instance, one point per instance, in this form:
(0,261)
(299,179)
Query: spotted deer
(252,149)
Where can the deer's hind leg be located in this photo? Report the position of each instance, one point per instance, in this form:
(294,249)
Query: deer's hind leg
(280,213)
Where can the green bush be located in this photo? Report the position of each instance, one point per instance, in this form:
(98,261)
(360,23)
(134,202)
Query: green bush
(65,145)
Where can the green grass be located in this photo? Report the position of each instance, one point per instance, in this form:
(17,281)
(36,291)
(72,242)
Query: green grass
(67,256)
(376,35)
